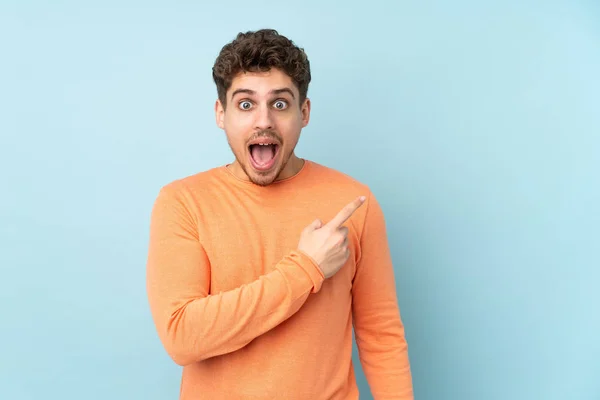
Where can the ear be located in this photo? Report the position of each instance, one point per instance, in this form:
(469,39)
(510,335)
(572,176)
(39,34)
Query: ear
(305,112)
(220,114)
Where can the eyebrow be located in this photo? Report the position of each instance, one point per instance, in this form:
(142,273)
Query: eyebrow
(274,91)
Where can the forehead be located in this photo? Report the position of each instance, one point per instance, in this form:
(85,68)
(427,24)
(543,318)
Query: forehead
(263,82)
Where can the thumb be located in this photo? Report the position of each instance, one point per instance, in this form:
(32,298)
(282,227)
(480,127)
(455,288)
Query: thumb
(316,224)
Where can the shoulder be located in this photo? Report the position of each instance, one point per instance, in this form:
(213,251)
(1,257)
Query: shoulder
(192,189)
(336,180)
(338,188)
(199,182)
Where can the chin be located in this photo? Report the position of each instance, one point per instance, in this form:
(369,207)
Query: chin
(263,177)
(262,180)
(264,161)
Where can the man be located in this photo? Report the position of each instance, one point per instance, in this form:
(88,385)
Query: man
(259,269)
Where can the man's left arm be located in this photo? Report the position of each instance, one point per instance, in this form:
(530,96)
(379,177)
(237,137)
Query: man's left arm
(378,327)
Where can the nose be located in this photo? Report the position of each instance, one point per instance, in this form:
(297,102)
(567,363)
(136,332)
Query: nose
(264,118)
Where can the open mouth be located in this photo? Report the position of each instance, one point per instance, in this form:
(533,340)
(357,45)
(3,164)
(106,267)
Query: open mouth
(263,154)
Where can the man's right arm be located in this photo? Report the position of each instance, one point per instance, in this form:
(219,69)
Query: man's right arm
(194,325)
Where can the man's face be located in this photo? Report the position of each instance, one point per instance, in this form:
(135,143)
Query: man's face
(262,121)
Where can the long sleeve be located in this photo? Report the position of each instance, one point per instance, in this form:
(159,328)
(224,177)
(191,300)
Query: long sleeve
(194,324)
(379,330)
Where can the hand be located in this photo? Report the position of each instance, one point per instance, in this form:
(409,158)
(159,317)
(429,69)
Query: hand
(328,244)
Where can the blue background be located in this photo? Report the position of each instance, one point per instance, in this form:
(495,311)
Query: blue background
(476,125)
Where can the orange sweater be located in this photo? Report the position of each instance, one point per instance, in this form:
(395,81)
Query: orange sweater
(251,317)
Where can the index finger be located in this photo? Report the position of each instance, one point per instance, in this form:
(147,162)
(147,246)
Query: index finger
(345,213)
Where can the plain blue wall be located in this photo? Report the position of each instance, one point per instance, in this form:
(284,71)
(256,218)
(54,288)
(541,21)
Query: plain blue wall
(476,125)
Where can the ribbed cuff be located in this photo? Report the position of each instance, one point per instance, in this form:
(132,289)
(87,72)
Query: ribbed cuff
(310,266)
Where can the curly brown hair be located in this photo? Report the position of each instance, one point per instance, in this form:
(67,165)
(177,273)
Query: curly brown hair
(261,50)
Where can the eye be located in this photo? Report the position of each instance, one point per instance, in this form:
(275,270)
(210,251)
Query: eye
(280,104)
(245,105)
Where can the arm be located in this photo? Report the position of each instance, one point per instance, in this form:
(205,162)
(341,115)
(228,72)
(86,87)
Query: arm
(194,325)
(378,327)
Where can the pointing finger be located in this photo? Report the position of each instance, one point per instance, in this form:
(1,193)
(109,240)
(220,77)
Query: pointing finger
(345,213)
